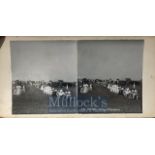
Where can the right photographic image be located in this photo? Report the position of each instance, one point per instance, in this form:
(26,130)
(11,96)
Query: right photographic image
(110,76)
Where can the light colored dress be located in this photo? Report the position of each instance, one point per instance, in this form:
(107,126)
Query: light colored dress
(84,89)
(18,90)
(48,90)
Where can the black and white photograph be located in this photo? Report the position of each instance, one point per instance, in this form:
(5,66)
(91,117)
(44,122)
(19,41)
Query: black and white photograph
(44,76)
(110,76)
(77,76)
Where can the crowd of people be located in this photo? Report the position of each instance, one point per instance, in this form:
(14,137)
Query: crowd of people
(125,88)
(128,90)
(48,90)
(20,87)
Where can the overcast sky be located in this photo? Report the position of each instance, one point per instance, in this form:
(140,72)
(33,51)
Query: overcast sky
(57,60)
(110,59)
(44,60)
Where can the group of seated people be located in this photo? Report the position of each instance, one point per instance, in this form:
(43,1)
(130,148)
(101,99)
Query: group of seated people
(129,92)
(48,90)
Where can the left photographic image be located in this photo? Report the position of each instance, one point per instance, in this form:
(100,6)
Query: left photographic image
(44,77)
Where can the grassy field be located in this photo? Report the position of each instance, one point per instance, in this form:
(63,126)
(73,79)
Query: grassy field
(35,102)
(31,102)
(117,103)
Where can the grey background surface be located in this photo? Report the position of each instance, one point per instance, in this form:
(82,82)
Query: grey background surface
(44,60)
(110,59)
(67,60)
